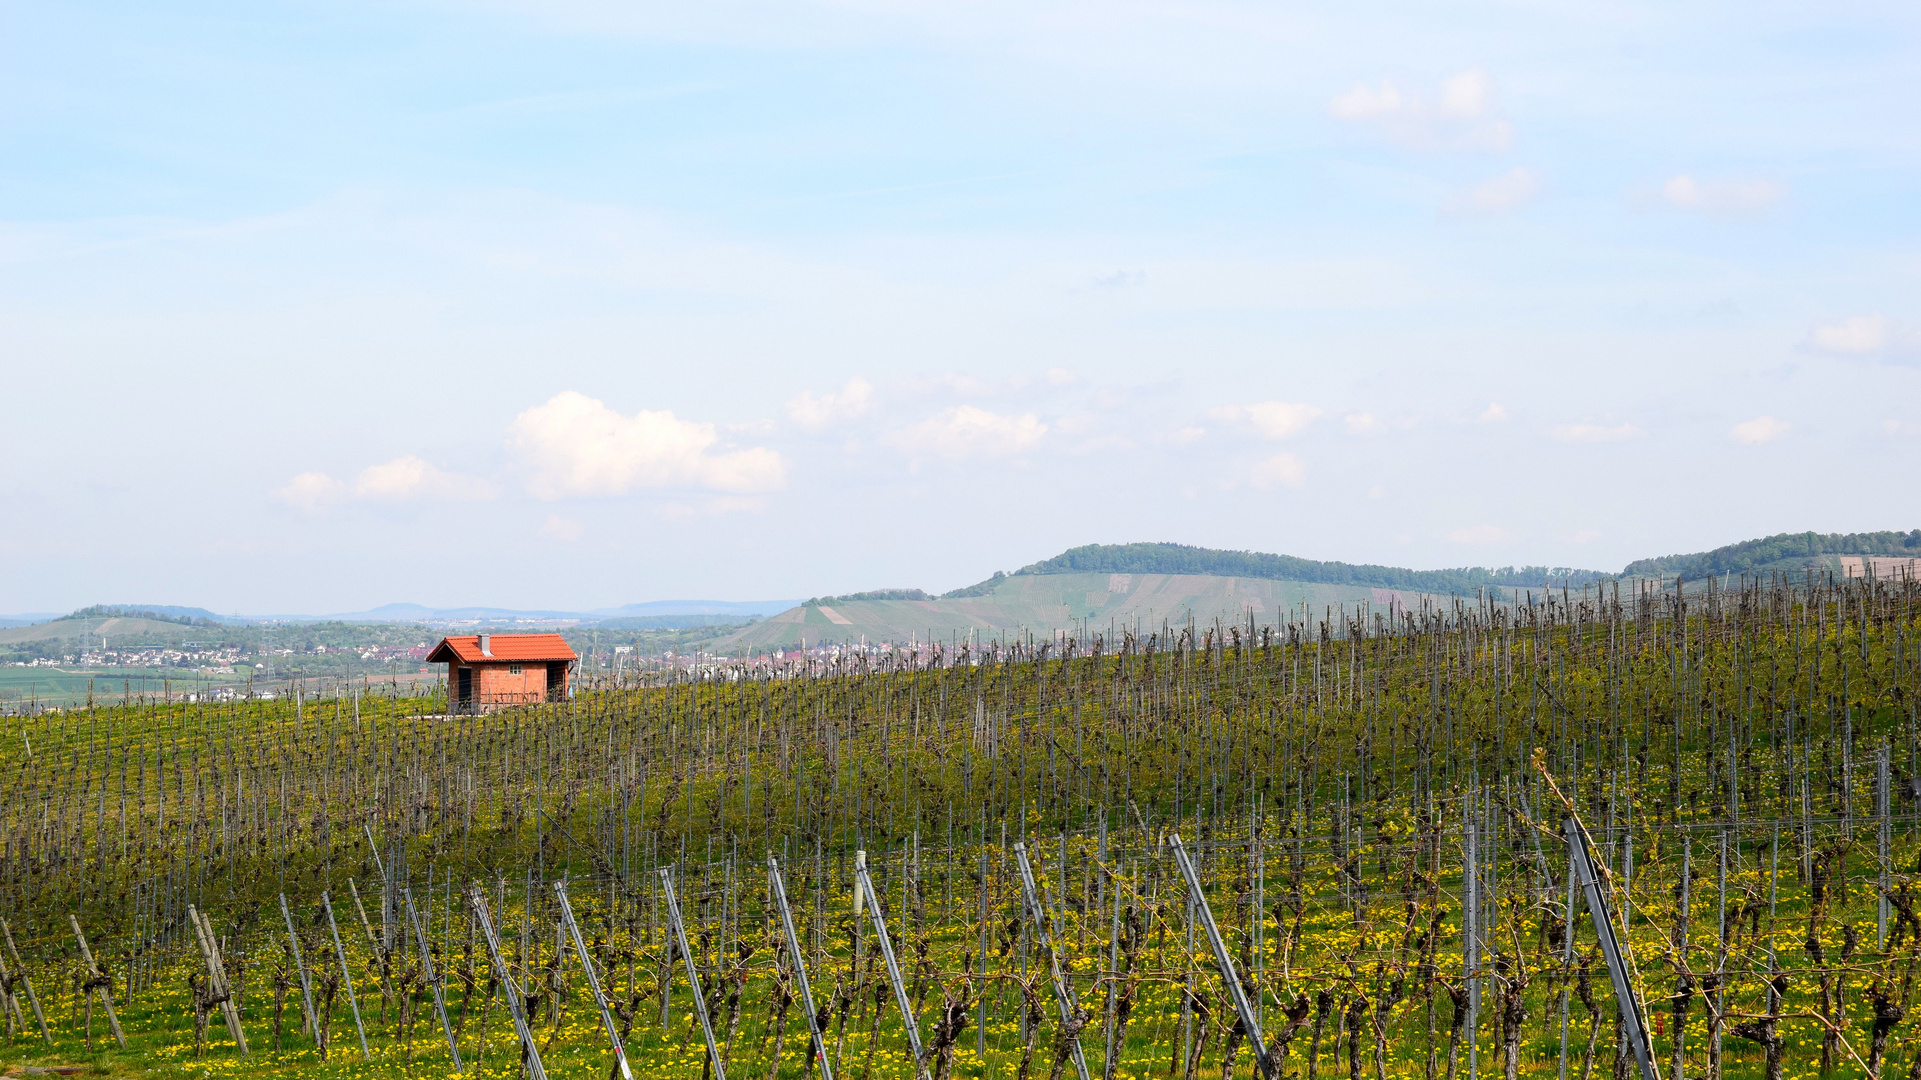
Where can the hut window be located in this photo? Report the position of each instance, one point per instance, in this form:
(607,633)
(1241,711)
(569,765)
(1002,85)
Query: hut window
(513,669)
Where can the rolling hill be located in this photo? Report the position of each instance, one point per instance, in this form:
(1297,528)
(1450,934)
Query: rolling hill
(1044,602)
(1146,584)
(118,629)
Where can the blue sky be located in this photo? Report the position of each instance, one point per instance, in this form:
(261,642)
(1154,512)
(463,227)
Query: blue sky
(310,308)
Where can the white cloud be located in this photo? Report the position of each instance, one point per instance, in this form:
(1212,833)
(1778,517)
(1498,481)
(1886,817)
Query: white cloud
(1719,196)
(565,530)
(409,478)
(1582,536)
(1270,419)
(1461,119)
(1361,423)
(1364,102)
(1595,433)
(1504,192)
(1478,534)
(1465,96)
(1759,430)
(965,431)
(575,445)
(1494,413)
(811,413)
(400,480)
(1281,470)
(1857,336)
(310,492)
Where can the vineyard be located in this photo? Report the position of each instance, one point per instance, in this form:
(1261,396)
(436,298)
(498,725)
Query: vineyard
(1019,859)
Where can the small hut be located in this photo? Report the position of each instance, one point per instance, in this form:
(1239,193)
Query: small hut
(486,671)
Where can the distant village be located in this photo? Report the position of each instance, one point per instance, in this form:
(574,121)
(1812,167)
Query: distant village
(215,660)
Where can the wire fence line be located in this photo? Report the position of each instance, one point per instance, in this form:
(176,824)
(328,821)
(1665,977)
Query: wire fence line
(1369,808)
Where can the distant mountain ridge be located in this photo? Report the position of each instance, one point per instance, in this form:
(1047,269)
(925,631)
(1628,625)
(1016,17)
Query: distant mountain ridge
(173,613)
(1789,552)
(1144,583)
(653,614)
(1167,558)
(1752,555)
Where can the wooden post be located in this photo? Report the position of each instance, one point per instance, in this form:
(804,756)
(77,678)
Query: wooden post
(346,974)
(32,998)
(306,984)
(16,1020)
(210,952)
(97,981)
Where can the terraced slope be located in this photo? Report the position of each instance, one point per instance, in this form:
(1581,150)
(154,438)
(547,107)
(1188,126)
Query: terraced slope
(1043,603)
(115,628)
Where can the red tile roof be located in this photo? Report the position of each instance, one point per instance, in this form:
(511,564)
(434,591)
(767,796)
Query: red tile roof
(505,648)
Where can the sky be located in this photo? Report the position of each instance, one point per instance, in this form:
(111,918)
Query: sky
(313,307)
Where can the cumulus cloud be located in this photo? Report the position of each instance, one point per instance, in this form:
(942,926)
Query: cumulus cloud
(813,413)
(1504,192)
(404,479)
(1270,419)
(410,478)
(1361,423)
(1858,335)
(310,492)
(1719,196)
(574,445)
(967,431)
(1866,335)
(1281,470)
(1493,414)
(1597,433)
(1459,117)
(1759,430)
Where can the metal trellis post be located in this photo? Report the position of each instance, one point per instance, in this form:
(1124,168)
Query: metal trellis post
(433,978)
(693,975)
(593,981)
(1063,993)
(779,888)
(893,966)
(1597,905)
(1226,963)
(479,904)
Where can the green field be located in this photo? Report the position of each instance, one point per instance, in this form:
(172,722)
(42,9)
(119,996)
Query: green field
(23,685)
